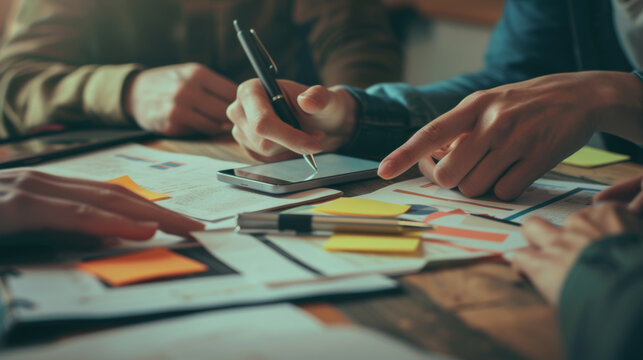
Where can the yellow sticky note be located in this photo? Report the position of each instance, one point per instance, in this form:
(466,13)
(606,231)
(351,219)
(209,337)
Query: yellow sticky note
(141,266)
(362,207)
(591,157)
(373,243)
(129,184)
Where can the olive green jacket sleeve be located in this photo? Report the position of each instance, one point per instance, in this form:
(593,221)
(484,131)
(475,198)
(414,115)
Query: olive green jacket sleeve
(351,42)
(601,306)
(54,83)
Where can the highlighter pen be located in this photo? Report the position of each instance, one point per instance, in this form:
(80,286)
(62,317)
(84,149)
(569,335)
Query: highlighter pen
(272,222)
(266,70)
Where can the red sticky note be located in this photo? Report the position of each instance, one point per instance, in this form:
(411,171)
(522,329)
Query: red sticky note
(469,234)
(141,266)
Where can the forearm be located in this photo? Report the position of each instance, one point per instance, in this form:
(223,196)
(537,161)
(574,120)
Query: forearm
(601,313)
(388,114)
(44,76)
(36,93)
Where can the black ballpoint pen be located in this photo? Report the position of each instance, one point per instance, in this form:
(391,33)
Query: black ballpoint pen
(266,70)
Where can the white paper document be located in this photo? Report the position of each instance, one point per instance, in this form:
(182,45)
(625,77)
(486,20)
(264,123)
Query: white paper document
(275,332)
(190,181)
(551,199)
(554,200)
(242,271)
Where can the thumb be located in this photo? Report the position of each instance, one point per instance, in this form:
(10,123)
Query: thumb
(316,100)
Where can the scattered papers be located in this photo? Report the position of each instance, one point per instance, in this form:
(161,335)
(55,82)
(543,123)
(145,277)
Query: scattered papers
(373,243)
(246,333)
(141,266)
(589,157)
(190,181)
(362,207)
(551,199)
(62,292)
(471,233)
(129,184)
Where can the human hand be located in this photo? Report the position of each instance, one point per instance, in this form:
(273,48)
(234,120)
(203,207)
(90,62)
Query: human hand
(32,201)
(180,99)
(629,192)
(554,249)
(326,117)
(511,135)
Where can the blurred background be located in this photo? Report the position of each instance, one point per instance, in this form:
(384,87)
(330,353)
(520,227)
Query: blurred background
(441,38)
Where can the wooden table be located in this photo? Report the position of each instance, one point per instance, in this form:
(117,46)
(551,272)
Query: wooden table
(471,310)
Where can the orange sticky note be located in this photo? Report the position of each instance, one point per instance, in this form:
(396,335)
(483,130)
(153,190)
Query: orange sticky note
(373,243)
(141,266)
(469,234)
(362,207)
(129,184)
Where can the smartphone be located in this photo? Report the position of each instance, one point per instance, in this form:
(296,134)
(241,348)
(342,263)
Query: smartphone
(296,175)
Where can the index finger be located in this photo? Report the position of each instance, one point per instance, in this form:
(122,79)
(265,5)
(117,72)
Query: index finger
(264,122)
(622,192)
(428,139)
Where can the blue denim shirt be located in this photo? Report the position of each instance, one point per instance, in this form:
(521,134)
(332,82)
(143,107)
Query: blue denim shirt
(533,38)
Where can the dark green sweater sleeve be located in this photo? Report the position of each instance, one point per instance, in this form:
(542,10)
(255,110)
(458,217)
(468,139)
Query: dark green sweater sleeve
(601,306)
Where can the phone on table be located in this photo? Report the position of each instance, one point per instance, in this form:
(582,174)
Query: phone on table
(295,175)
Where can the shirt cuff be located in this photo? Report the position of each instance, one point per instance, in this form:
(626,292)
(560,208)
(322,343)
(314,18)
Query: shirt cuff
(103,95)
(381,125)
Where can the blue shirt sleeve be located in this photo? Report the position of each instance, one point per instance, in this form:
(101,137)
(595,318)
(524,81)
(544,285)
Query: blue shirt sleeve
(533,38)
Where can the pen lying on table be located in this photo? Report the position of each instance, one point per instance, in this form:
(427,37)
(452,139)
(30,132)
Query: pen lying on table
(266,222)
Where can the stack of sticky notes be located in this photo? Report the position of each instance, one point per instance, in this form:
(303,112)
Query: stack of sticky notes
(405,243)
(589,157)
(373,243)
(141,266)
(362,207)
(129,184)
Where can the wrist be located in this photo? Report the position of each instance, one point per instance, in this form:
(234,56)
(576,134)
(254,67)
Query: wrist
(619,97)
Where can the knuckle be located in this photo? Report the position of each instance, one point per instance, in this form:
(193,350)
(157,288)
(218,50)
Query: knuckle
(432,132)
(232,112)
(262,125)
(479,97)
(265,147)
(471,190)
(505,192)
(247,88)
(444,176)
(193,68)
(26,179)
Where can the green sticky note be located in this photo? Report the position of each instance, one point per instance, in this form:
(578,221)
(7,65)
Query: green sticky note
(589,157)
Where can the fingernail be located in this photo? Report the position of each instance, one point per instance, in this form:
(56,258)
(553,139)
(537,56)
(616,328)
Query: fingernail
(386,169)
(314,147)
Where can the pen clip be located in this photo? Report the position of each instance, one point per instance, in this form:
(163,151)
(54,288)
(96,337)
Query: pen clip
(273,65)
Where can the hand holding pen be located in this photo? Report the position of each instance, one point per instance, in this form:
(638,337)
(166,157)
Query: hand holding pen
(266,70)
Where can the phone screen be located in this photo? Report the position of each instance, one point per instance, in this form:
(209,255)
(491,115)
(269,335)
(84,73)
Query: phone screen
(297,170)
